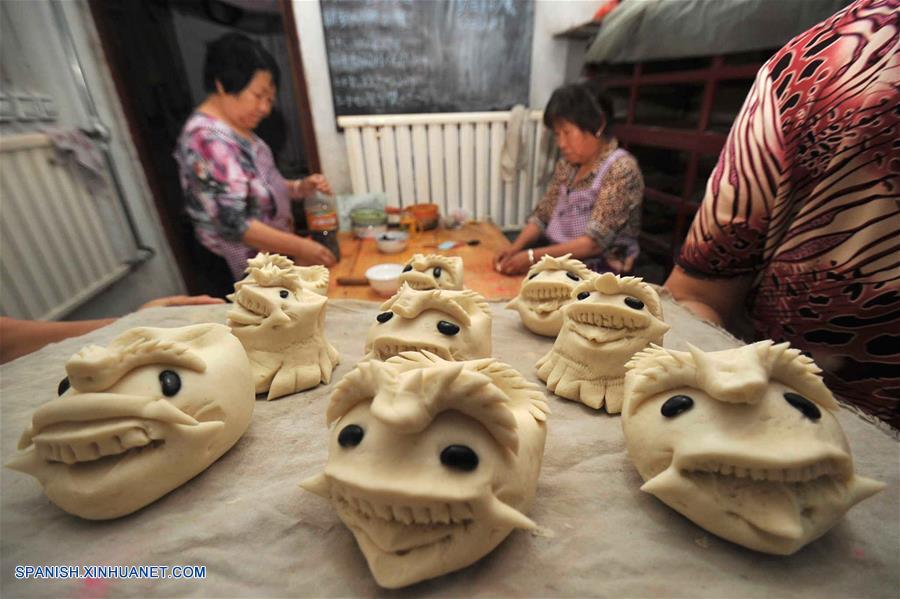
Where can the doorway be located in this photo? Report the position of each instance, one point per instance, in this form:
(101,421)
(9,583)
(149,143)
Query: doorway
(155,50)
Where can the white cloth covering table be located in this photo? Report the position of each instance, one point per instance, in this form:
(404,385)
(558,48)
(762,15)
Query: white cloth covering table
(259,535)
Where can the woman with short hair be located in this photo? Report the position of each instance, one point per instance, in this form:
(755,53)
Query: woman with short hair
(237,200)
(592,207)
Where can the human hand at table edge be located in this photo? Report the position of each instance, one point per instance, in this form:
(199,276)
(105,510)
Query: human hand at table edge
(182,300)
(502,255)
(304,252)
(526,238)
(316,253)
(20,337)
(515,264)
(717,300)
(302,188)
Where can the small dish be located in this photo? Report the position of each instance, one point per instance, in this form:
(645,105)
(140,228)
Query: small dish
(369,231)
(427,215)
(391,242)
(385,278)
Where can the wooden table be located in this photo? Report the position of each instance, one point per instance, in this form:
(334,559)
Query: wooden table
(357,255)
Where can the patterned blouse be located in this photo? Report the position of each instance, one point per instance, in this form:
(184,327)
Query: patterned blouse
(229,180)
(806,199)
(615,220)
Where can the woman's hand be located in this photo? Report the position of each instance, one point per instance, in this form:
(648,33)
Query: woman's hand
(313,252)
(267,238)
(182,300)
(311,184)
(515,264)
(621,266)
(526,238)
(502,255)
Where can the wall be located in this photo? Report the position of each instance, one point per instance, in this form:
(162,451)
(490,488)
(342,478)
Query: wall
(159,276)
(332,152)
(36,59)
(553,63)
(549,54)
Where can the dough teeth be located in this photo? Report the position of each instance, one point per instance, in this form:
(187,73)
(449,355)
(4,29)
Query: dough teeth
(135,437)
(460,512)
(440,512)
(85,452)
(366,507)
(404,514)
(421,515)
(383,511)
(68,454)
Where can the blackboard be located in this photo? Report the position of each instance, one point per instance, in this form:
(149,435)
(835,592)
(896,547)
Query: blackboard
(410,56)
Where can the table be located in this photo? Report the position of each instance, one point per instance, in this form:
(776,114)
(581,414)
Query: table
(259,535)
(357,255)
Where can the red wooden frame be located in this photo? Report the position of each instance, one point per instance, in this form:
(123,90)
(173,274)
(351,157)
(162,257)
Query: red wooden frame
(697,142)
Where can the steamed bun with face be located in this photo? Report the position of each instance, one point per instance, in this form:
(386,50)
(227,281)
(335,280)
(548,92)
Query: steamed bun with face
(138,418)
(744,442)
(431,463)
(279,316)
(609,319)
(546,290)
(433,271)
(456,325)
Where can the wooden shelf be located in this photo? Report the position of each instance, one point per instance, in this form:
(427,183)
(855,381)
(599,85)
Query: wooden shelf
(579,32)
(691,144)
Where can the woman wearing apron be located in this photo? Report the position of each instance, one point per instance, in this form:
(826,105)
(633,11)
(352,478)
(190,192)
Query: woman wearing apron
(592,207)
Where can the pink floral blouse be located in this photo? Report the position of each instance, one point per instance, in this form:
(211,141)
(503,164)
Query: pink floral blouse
(228,181)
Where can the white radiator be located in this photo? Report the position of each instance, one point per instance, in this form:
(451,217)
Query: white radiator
(449,159)
(55,237)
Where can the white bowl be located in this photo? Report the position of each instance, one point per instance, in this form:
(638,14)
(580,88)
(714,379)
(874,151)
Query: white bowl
(369,231)
(385,278)
(391,242)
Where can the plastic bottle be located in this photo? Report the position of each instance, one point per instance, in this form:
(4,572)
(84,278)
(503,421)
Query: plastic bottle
(322,221)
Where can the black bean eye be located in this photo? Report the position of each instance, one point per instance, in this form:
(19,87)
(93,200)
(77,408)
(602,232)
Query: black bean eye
(460,457)
(584,295)
(573,276)
(384,317)
(447,328)
(633,302)
(351,435)
(437,272)
(63,386)
(284,294)
(809,409)
(675,405)
(170,382)
(407,268)
(533,276)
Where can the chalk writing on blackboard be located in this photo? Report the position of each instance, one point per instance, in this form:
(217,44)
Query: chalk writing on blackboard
(402,56)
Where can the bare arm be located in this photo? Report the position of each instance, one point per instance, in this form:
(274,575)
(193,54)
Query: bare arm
(518,262)
(303,188)
(580,247)
(527,236)
(21,337)
(269,239)
(717,300)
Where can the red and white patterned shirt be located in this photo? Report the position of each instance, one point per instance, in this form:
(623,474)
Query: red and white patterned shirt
(806,199)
